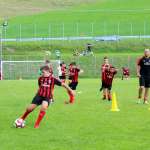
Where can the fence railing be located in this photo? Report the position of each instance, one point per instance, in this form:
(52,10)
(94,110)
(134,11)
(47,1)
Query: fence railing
(77,29)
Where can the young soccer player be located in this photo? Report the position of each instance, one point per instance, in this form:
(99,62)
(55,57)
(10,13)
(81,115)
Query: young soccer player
(125,73)
(74,71)
(107,82)
(105,66)
(62,72)
(44,95)
(143,73)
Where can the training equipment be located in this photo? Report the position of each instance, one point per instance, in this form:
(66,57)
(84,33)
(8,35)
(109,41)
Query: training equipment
(114,106)
(19,123)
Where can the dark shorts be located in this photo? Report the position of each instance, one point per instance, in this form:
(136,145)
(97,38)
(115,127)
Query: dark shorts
(144,81)
(106,86)
(39,99)
(70,77)
(73,85)
(62,77)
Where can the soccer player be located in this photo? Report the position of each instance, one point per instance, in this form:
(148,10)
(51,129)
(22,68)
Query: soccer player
(105,66)
(74,71)
(143,73)
(125,73)
(43,97)
(109,76)
(62,72)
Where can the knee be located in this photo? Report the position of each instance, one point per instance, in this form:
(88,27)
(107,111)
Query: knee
(29,109)
(142,88)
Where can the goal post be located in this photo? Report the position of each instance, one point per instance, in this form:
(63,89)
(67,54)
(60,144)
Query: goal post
(12,70)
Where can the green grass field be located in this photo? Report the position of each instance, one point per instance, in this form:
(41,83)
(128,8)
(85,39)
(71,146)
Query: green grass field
(88,124)
(104,15)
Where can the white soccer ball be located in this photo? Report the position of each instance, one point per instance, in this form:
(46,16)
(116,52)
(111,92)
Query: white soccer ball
(19,123)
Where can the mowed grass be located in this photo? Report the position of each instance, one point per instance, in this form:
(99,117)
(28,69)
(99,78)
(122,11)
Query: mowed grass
(102,17)
(88,124)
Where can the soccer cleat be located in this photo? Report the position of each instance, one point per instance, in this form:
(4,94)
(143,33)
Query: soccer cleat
(66,102)
(139,101)
(36,126)
(104,98)
(146,102)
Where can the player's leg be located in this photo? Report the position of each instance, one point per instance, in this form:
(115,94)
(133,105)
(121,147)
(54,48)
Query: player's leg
(35,102)
(122,76)
(141,89)
(104,93)
(109,92)
(140,93)
(42,113)
(146,95)
(72,85)
(147,86)
(29,109)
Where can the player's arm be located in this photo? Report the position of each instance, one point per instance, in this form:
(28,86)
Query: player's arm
(59,83)
(79,70)
(39,82)
(68,88)
(138,67)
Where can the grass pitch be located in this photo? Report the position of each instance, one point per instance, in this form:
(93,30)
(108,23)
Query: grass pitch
(87,125)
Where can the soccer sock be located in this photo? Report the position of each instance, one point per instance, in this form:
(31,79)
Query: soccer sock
(25,114)
(40,117)
(104,96)
(109,96)
(71,99)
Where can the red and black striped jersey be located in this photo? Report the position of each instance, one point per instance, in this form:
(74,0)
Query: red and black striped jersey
(63,70)
(75,74)
(109,76)
(46,86)
(70,72)
(104,68)
(125,71)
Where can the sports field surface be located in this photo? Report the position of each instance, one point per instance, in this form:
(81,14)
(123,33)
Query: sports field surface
(86,125)
(81,18)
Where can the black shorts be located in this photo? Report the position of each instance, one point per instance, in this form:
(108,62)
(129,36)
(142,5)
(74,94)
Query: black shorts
(144,81)
(62,77)
(70,77)
(73,85)
(106,86)
(39,99)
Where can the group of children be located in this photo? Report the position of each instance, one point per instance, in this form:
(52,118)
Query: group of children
(47,81)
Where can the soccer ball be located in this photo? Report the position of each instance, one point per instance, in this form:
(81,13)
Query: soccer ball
(19,123)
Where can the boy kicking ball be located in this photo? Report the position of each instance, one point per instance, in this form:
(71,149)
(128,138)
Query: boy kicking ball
(44,95)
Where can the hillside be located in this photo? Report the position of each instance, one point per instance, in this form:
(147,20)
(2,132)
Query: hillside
(10,8)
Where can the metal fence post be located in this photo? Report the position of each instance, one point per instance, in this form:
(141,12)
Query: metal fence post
(77,29)
(131,29)
(92,29)
(118,28)
(20,30)
(49,33)
(105,33)
(35,32)
(63,30)
(144,27)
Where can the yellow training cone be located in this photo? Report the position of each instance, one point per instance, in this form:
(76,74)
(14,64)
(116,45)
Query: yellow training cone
(114,106)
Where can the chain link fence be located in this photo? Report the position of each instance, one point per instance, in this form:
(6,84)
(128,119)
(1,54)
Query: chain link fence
(91,66)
